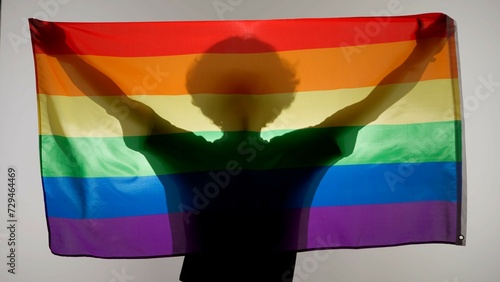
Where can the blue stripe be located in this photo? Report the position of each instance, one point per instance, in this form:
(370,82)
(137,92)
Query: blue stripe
(340,185)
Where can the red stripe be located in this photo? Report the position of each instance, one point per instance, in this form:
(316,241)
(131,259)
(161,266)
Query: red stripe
(133,39)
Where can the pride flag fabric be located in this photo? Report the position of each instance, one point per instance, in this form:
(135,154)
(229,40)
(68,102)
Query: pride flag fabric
(168,138)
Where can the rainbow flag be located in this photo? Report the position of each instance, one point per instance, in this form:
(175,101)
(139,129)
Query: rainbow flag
(168,138)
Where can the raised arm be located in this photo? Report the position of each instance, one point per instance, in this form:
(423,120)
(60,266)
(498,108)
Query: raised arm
(131,114)
(430,41)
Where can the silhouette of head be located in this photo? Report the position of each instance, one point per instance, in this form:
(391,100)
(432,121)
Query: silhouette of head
(236,84)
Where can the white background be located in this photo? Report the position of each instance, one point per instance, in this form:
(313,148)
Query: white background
(478,25)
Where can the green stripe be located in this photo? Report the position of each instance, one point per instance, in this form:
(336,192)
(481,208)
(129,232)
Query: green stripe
(110,156)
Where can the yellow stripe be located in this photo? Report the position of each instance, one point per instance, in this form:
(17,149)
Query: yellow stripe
(316,69)
(429,101)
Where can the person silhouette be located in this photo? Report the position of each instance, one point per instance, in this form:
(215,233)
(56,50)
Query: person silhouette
(250,230)
(254,195)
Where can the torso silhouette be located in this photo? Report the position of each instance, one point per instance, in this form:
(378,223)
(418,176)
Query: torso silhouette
(246,211)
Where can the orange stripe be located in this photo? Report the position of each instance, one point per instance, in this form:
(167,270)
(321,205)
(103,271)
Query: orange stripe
(315,70)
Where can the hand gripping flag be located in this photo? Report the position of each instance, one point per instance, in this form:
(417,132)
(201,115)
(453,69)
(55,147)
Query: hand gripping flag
(168,138)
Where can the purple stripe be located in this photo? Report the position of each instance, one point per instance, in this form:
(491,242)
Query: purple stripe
(140,236)
(329,227)
(382,225)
